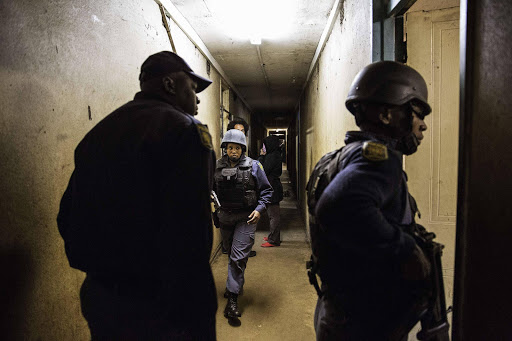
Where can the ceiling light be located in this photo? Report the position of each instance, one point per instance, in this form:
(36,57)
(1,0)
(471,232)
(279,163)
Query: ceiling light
(249,19)
(256,40)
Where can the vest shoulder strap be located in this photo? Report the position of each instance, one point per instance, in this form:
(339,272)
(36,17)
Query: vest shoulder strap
(245,163)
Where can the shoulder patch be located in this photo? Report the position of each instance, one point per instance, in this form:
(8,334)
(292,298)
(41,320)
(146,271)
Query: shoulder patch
(260,165)
(204,134)
(374,151)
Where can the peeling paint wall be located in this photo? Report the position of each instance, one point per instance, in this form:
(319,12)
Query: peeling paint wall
(324,120)
(238,109)
(64,66)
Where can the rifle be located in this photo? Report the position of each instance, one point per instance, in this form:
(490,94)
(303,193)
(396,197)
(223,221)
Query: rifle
(434,323)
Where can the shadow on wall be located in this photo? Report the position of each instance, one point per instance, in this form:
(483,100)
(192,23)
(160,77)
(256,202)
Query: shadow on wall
(26,185)
(15,267)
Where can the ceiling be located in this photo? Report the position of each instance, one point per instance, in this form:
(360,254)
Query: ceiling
(272,90)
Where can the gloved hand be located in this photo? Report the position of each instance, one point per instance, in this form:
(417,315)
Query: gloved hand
(416,267)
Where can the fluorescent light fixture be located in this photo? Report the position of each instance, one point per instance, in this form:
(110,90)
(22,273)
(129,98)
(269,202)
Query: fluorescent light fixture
(249,19)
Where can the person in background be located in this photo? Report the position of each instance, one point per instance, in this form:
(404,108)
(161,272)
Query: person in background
(136,215)
(240,124)
(270,158)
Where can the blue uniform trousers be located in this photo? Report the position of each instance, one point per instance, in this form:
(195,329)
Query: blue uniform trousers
(238,240)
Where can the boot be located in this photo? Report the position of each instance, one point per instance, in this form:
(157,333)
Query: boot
(231,309)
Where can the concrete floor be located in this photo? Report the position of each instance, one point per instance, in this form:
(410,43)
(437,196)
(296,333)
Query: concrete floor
(278,302)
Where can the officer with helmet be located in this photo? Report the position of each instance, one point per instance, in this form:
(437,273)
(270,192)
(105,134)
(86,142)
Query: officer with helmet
(373,273)
(243,191)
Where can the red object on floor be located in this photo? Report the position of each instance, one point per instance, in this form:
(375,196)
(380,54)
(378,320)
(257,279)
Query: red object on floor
(267,244)
(265,238)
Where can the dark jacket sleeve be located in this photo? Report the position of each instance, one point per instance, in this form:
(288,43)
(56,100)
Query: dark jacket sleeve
(264,189)
(185,211)
(272,164)
(351,208)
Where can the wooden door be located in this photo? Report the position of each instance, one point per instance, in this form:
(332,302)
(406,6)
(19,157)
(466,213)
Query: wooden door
(433,50)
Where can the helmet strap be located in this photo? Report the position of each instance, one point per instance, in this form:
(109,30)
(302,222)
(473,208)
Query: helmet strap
(233,159)
(408,144)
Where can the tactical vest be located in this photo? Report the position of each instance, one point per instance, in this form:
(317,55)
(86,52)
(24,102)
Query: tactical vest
(236,188)
(324,172)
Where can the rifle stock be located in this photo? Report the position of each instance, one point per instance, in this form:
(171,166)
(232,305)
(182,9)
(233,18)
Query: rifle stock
(434,323)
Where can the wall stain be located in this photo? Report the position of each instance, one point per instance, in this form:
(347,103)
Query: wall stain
(62,137)
(342,14)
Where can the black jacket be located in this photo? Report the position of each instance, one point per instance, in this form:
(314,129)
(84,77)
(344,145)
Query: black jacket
(138,202)
(273,166)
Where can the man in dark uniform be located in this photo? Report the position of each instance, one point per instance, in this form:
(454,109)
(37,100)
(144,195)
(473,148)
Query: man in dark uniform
(372,272)
(270,158)
(136,213)
(243,191)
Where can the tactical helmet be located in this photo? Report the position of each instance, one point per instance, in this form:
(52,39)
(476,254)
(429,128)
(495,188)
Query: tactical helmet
(234,136)
(388,82)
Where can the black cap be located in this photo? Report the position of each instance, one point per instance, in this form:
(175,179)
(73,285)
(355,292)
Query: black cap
(162,63)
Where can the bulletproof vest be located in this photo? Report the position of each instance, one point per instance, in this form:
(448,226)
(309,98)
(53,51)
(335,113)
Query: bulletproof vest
(236,187)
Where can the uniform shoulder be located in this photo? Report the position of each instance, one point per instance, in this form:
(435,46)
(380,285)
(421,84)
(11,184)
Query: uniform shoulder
(173,118)
(374,151)
(374,155)
(222,162)
(256,164)
(204,133)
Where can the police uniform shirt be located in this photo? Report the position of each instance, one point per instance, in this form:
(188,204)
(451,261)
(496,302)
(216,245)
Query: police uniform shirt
(360,211)
(138,203)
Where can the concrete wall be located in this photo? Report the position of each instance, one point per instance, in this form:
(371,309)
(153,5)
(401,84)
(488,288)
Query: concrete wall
(433,50)
(324,120)
(238,109)
(64,66)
